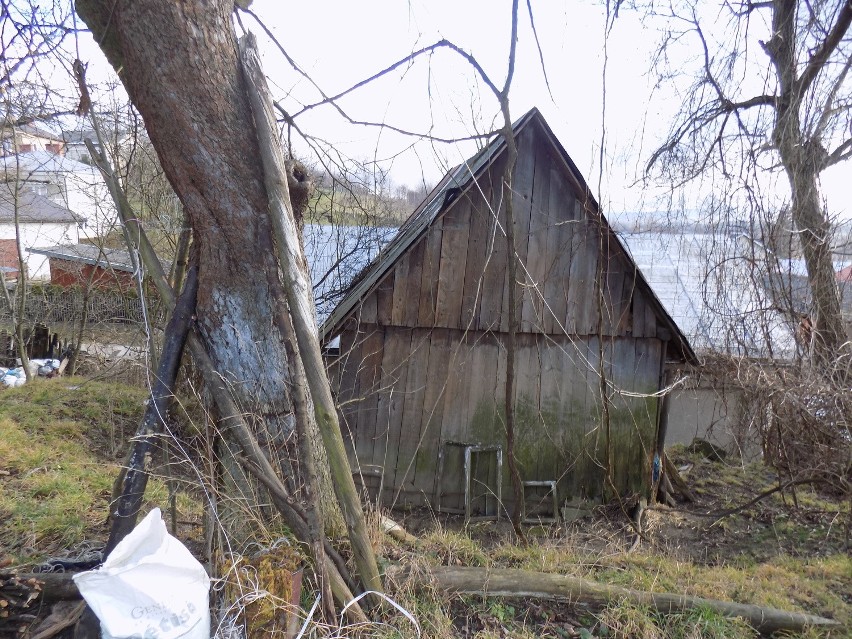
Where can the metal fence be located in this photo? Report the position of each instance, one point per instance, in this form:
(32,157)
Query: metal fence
(50,305)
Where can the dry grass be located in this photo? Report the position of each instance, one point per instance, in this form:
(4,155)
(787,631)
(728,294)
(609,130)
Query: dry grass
(62,442)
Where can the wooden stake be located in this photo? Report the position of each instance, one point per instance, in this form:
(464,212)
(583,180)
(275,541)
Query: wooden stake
(134,478)
(300,300)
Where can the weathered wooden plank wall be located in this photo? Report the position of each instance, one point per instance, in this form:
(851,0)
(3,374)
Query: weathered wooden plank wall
(425,362)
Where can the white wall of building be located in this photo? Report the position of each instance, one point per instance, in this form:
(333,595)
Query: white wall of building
(37,235)
(74,185)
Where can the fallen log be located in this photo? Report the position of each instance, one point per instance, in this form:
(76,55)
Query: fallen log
(392,528)
(505,582)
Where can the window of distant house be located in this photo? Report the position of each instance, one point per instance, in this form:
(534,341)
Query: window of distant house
(26,148)
(54,148)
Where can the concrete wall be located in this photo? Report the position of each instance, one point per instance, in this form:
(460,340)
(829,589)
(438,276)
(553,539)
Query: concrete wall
(712,414)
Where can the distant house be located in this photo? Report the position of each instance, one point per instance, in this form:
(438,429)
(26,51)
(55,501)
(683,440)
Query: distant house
(77,186)
(26,138)
(75,144)
(40,221)
(423,343)
(119,141)
(87,265)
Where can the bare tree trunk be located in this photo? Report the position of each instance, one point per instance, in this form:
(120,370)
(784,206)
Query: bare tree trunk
(511,338)
(179,64)
(804,158)
(512,282)
(21,294)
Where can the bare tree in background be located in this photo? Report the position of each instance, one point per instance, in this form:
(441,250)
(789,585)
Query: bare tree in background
(751,111)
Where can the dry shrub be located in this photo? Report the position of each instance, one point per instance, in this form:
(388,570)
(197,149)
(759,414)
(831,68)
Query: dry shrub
(802,417)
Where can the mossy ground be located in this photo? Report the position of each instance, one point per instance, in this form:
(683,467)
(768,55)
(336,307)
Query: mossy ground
(62,443)
(773,554)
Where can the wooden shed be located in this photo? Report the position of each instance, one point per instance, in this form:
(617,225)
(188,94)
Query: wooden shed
(421,370)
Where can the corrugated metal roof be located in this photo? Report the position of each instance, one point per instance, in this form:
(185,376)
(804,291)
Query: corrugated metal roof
(441,196)
(713,288)
(335,255)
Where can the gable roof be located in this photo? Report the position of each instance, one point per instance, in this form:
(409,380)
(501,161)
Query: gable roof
(445,193)
(39,131)
(34,208)
(44,162)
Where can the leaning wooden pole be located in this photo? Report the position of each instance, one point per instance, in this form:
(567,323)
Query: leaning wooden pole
(134,478)
(233,423)
(300,300)
(508,582)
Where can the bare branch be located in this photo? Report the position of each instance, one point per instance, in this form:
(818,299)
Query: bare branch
(841,153)
(538,46)
(832,40)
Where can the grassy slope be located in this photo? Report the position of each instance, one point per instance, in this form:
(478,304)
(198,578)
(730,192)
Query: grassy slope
(770,555)
(61,445)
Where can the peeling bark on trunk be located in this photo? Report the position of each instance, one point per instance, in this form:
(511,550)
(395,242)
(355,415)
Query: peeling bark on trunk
(180,66)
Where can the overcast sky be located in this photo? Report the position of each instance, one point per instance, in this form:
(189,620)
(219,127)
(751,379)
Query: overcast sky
(339,43)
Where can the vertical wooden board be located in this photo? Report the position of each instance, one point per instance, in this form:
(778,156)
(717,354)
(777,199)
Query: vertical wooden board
(411,305)
(384,300)
(347,366)
(483,402)
(522,188)
(631,431)
(533,308)
(368,309)
(568,358)
(428,294)
(528,427)
(455,231)
(587,319)
(401,287)
(650,318)
(550,409)
(647,382)
(477,247)
(578,291)
(496,254)
(613,282)
(557,250)
(638,305)
(391,403)
(412,414)
(367,362)
(623,367)
(591,479)
(434,393)
(454,420)
(628,292)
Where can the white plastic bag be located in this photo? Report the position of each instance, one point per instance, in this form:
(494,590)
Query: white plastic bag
(150,587)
